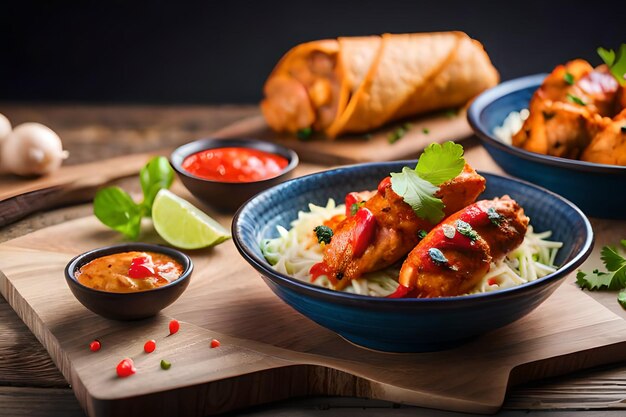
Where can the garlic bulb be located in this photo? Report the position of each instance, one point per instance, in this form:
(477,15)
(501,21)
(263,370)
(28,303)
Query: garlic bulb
(31,149)
(5,127)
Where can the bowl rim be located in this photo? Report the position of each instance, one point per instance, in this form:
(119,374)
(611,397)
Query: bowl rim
(183,151)
(513,86)
(79,260)
(262,266)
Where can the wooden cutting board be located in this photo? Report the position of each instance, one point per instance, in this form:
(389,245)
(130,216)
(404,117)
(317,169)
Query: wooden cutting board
(270,352)
(375,146)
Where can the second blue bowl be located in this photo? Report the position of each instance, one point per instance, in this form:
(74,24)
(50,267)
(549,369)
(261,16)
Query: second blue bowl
(599,190)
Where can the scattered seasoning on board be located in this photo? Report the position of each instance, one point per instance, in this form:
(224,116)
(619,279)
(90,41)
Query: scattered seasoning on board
(451,113)
(399,133)
(125,368)
(426,131)
(304,134)
(95,345)
(174,326)
(215,343)
(149,346)
(165,365)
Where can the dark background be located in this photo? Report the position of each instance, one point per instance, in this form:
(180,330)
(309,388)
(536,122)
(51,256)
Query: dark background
(221,52)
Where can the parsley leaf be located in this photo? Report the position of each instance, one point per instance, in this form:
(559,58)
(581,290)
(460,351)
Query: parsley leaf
(419,194)
(614,279)
(440,163)
(304,134)
(569,78)
(323,233)
(616,61)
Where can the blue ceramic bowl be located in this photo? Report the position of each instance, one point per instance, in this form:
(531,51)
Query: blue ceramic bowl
(597,189)
(406,325)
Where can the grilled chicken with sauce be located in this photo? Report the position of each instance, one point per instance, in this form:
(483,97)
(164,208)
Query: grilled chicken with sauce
(572,105)
(452,259)
(609,145)
(385,229)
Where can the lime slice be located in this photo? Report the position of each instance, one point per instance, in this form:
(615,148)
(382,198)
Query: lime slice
(183,225)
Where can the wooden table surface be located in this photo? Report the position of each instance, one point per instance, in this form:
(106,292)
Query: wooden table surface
(30,383)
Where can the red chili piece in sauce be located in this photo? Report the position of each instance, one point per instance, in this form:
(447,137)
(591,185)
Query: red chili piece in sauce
(235,164)
(141,268)
(363,231)
(125,368)
(174,326)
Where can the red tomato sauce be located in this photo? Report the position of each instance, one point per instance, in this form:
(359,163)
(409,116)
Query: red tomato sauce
(235,164)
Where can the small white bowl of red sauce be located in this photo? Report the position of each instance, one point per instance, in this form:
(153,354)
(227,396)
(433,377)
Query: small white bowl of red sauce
(225,173)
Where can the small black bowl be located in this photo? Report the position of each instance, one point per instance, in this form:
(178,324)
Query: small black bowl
(228,196)
(134,305)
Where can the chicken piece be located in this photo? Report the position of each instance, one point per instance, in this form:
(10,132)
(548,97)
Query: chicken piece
(569,108)
(452,259)
(386,228)
(609,145)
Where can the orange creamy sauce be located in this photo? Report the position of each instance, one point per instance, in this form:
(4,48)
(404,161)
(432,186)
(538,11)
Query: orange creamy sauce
(110,273)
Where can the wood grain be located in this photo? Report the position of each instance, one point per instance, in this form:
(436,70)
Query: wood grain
(375,146)
(568,332)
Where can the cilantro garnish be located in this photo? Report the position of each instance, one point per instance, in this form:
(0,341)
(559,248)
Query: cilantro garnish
(323,234)
(421,234)
(616,61)
(466,230)
(438,164)
(355,207)
(613,279)
(494,216)
(576,99)
(569,78)
(437,256)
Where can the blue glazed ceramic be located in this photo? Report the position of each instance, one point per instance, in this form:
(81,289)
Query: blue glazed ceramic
(599,190)
(406,325)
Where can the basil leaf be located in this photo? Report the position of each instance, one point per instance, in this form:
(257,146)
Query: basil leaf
(621,298)
(154,176)
(116,209)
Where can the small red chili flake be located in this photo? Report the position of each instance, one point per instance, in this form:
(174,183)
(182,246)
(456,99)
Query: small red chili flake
(95,345)
(125,368)
(150,346)
(174,326)
(492,281)
(141,268)
(215,343)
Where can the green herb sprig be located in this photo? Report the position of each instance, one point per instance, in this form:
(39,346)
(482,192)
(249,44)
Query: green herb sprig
(613,279)
(438,164)
(116,209)
(616,61)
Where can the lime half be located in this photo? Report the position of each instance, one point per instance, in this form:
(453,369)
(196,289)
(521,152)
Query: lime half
(183,225)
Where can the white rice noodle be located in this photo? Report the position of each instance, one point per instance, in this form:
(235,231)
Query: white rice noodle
(511,125)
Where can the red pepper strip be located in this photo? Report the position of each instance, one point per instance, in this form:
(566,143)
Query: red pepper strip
(400,292)
(320,269)
(351,198)
(140,268)
(384,184)
(363,231)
